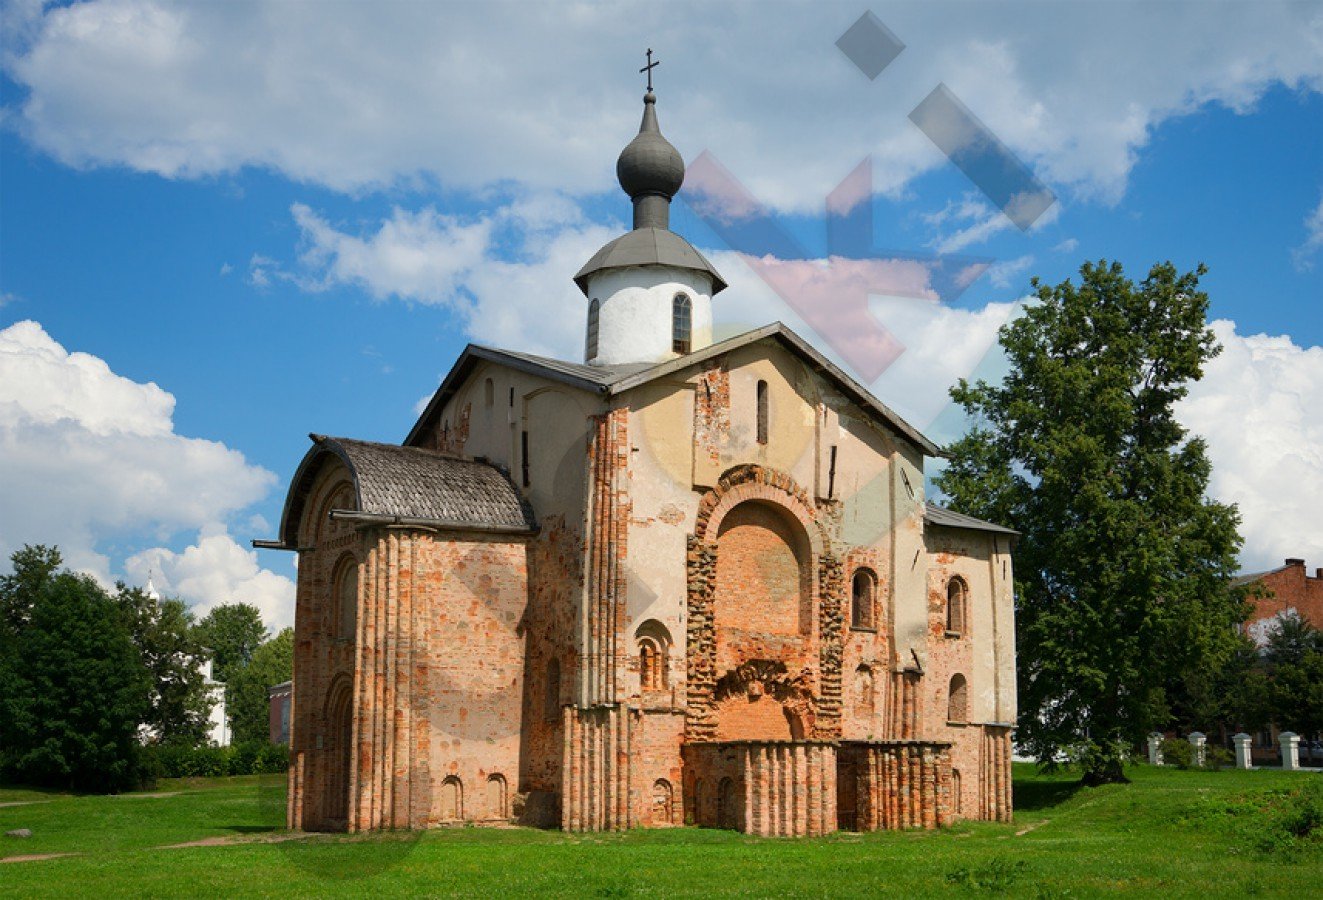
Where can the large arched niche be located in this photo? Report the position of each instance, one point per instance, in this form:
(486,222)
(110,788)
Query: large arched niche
(764,581)
(755,559)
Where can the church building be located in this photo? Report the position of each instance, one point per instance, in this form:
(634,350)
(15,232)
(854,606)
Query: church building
(678,582)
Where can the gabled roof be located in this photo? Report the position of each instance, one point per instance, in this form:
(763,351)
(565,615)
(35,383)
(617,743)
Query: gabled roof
(410,485)
(949,518)
(608,381)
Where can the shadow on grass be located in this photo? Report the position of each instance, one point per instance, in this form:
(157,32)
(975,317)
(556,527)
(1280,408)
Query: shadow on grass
(1032,796)
(251,829)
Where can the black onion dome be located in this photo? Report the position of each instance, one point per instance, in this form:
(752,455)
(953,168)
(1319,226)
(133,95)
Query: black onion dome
(649,165)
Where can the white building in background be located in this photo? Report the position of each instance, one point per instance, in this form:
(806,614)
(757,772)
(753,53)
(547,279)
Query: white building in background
(219,732)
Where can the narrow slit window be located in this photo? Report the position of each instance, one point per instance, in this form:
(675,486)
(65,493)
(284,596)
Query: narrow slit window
(863,600)
(957,704)
(957,595)
(523,453)
(682,326)
(590,343)
(489,393)
(762,412)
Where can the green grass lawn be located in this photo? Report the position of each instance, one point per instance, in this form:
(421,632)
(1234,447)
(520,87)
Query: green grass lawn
(1169,834)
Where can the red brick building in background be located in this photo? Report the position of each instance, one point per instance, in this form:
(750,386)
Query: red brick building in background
(280,702)
(1289,588)
(681,581)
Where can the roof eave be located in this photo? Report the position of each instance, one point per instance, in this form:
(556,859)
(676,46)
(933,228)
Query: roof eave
(350,515)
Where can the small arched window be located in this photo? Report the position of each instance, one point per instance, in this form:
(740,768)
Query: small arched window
(346,599)
(682,323)
(663,803)
(452,799)
(957,703)
(957,601)
(762,412)
(863,600)
(654,643)
(652,666)
(955,791)
(590,343)
(489,393)
(498,797)
(551,697)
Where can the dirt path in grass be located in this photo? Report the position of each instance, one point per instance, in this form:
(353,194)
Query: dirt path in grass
(232,839)
(35,857)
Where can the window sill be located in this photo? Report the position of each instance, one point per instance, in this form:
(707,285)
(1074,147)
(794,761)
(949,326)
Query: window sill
(864,628)
(955,635)
(950,724)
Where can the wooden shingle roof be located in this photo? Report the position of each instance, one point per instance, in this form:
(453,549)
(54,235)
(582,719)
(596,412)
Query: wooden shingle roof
(412,486)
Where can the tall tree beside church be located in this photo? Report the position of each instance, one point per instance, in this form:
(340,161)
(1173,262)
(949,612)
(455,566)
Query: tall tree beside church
(167,641)
(74,688)
(232,632)
(1123,571)
(247,696)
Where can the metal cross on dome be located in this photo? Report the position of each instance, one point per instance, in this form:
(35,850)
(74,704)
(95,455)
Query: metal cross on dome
(649,67)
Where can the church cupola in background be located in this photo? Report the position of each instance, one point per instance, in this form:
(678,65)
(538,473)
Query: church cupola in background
(649,291)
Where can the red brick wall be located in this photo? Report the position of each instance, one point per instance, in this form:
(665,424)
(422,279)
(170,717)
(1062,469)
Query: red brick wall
(1291,587)
(762,582)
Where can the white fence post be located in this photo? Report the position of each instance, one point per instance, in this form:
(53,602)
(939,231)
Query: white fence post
(1243,760)
(1290,742)
(1197,741)
(1155,749)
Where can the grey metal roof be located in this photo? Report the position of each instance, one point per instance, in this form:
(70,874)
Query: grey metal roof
(413,486)
(949,518)
(600,376)
(612,380)
(1249,577)
(649,247)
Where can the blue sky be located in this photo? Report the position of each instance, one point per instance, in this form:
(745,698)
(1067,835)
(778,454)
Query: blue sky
(264,272)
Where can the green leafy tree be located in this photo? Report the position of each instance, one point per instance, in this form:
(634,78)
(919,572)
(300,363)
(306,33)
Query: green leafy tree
(34,566)
(75,687)
(168,644)
(247,695)
(232,632)
(1124,567)
(1294,659)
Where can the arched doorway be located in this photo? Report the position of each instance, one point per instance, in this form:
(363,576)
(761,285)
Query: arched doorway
(727,810)
(339,741)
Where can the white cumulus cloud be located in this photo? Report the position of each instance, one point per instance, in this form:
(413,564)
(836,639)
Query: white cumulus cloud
(357,96)
(1258,407)
(214,571)
(90,460)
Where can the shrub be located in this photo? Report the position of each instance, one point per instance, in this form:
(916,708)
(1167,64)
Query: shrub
(1177,752)
(182,761)
(1217,758)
